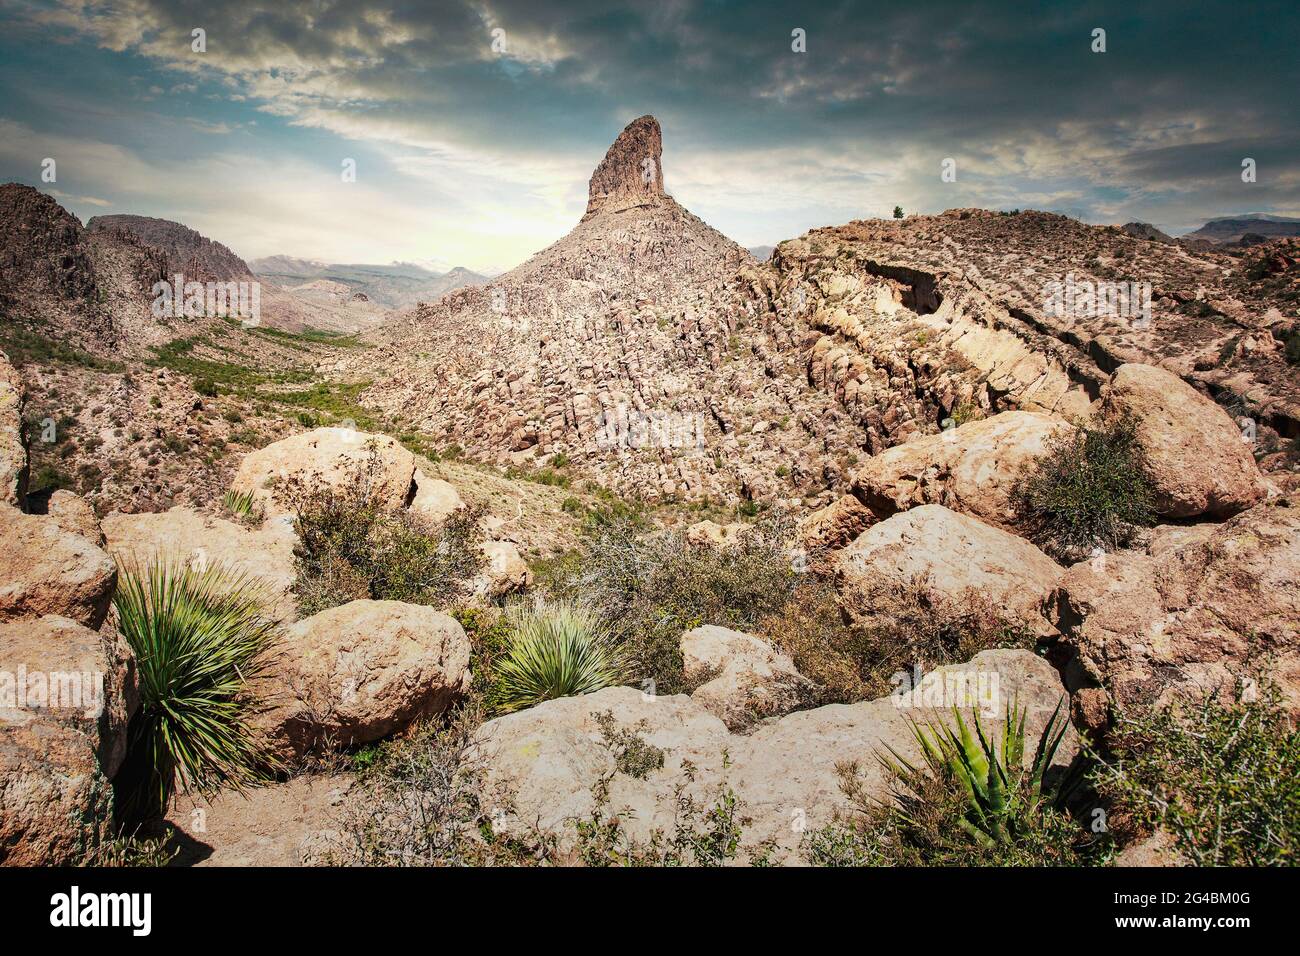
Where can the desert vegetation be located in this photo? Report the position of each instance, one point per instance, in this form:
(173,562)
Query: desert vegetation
(199,637)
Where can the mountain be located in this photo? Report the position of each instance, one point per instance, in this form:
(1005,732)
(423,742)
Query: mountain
(194,254)
(1232,228)
(394,286)
(1144,230)
(623,346)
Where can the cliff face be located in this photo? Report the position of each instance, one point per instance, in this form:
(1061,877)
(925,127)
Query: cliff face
(197,256)
(631,174)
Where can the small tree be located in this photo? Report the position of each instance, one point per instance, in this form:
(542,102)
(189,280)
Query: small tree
(898,212)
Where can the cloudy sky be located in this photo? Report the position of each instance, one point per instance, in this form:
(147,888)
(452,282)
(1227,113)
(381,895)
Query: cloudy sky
(470,155)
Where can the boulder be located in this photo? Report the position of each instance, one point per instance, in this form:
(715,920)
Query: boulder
(358,672)
(1137,628)
(832,527)
(75,515)
(330,457)
(972,469)
(1195,455)
(714,534)
(786,771)
(741,678)
(183,535)
(13,453)
(434,499)
(545,764)
(505,571)
(46,570)
(951,555)
(66,699)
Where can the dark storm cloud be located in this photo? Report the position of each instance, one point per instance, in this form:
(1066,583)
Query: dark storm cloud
(1155,127)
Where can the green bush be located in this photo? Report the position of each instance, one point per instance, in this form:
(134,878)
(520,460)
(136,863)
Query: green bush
(242,504)
(649,587)
(1088,491)
(554,650)
(199,637)
(1220,777)
(351,547)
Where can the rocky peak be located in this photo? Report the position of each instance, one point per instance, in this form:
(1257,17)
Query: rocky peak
(631,174)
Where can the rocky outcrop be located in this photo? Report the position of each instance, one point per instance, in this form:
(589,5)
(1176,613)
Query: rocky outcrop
(359,672)
(327,457)
(972,469)
(13,450)
(551,757)
(950,555)
(46,570)
(75,515)
(66,699)
(185,536)
(714,534)
(200,258)
(834,526)
(1194,453)
(1192,614)
(741,678)
(631,174)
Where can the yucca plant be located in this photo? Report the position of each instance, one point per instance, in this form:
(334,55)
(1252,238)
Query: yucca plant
(1001,795)
(199,636)
(240,503)
(555,650)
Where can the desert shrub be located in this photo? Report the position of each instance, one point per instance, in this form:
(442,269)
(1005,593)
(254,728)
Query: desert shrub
(554,650)
(633,754)
(650,587)
(424,800)
(351,547)
(1088,491)
(912,630)
(1293,348)
(702,834)
(199,637)
(968,802)
(132,851)
(1220,777)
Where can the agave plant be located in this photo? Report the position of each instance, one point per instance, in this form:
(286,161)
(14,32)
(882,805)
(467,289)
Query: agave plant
(557,649)
(199,636)
(1000,793)
(242,504)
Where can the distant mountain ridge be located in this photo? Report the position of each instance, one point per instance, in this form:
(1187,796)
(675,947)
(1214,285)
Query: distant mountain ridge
(396,285)
(1231,228)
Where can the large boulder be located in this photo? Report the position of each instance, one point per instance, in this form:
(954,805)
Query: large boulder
(13,453)
(712,534)
(952,556)
(184,536)
(435,499)
(329,457)
(786,772)
(76,515)
(358,672)
(66,699)
(972,469)
(547,765)
(1195,455)
(46,570)
(1137,627)
(740,678)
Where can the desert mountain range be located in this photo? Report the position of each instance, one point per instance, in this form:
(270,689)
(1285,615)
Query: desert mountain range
(877,388)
